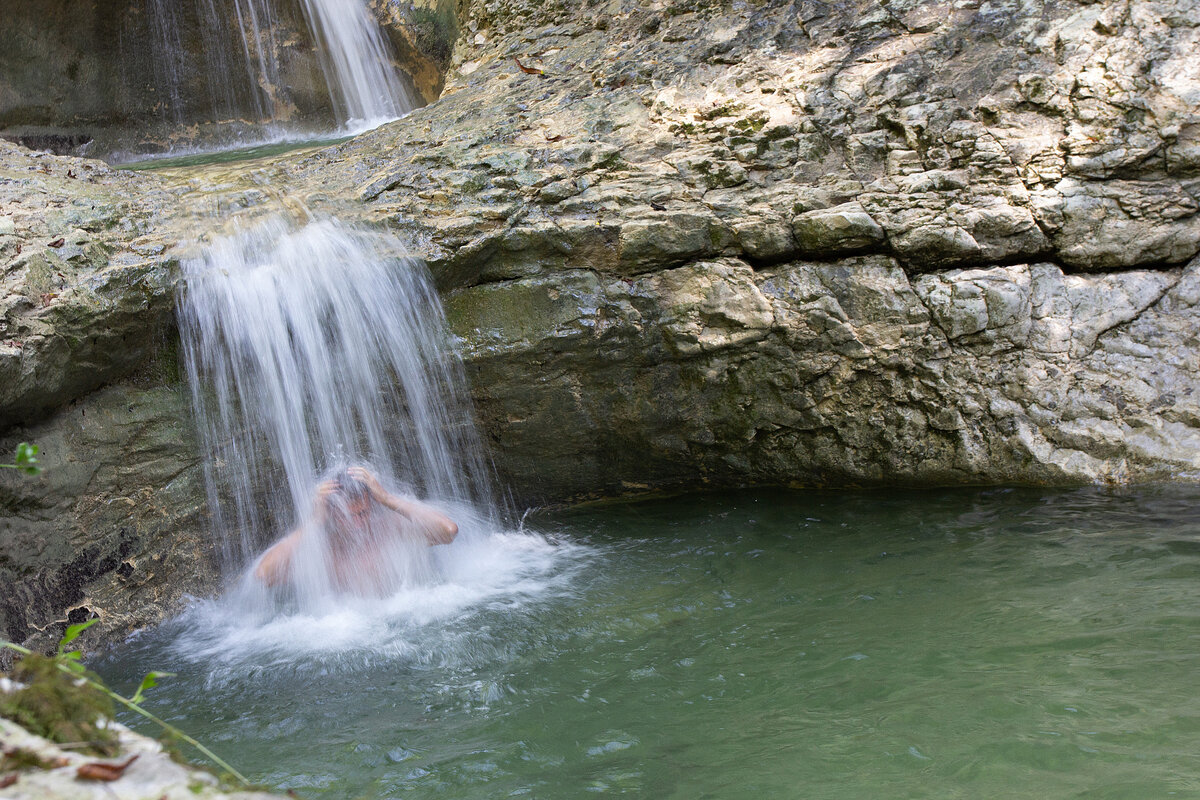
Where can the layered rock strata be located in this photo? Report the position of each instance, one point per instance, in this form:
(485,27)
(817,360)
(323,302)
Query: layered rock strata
(814,243)
(114,524)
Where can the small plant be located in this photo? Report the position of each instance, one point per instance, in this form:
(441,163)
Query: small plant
(58,708)
(26,459)
(45,718)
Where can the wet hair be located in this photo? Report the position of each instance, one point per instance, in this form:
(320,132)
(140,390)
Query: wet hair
(352,490)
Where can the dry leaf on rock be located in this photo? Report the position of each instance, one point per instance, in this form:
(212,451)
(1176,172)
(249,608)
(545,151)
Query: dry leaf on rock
(99,771)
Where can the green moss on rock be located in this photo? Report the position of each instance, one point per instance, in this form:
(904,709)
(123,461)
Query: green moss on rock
(53,705)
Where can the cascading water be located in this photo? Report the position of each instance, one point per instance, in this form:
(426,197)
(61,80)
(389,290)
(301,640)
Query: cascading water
(318,346)
(246,63)
(235,63)
(365,88)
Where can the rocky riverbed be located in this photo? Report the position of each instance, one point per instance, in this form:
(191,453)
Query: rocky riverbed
(680,244)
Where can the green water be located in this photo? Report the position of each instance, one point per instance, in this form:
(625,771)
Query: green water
(230,156)
(950,644)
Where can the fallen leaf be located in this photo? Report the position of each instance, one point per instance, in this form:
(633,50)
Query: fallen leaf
(99,771)
(556,138)
(47,297)
(59,242)
(8,780)
(528,70)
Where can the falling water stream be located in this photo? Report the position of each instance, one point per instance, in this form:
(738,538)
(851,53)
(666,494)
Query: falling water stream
(365,88)
(311,348)
(248,98)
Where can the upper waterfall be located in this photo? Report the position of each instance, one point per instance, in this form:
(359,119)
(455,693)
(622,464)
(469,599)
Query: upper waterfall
(365,88)
(364,85)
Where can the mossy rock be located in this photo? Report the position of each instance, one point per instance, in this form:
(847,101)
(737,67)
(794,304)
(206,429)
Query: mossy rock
(59,707)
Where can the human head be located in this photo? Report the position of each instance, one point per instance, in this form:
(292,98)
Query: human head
(353,492)
(350,500)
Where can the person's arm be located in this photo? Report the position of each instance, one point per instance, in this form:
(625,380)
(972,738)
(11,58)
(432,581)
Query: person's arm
(275,566)
(435,526)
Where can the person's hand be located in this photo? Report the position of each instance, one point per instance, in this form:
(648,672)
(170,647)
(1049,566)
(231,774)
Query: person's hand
(364,476)
(321,500)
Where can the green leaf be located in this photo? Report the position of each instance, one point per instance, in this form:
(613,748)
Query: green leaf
(149,682)
(72,633)
(26,460)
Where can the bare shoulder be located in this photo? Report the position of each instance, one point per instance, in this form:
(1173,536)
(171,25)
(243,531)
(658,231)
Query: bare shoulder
(274,563)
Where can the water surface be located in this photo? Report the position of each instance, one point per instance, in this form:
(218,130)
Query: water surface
(968,643)
(204,157)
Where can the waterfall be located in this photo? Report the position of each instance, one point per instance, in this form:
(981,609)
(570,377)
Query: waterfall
(259,54)
(364,86)
(245,64)
(318,346)
(234,63)
(168,57)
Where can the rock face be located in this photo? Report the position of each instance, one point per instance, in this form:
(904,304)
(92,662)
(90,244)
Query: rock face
(114,526)
(835,373)
(807,243)
(685,244)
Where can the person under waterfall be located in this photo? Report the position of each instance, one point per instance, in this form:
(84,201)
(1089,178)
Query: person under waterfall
(359,521)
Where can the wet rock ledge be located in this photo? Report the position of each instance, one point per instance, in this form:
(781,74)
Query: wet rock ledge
(681,244)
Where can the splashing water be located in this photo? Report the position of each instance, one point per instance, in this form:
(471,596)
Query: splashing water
(314,348)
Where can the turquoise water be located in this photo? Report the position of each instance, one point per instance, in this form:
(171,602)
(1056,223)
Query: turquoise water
(231,155)
(939,644)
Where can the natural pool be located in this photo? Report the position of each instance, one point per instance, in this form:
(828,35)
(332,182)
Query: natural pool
(1001,643)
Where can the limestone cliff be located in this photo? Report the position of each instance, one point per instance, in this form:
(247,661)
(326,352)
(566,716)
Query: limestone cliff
(87,371)
(686,243)
(807,242)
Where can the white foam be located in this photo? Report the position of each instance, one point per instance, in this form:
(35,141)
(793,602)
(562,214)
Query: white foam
(433,623)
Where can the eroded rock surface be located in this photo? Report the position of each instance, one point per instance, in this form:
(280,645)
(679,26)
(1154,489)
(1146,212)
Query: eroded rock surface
(800,242)
(114,525)
(835,373)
